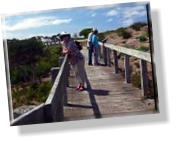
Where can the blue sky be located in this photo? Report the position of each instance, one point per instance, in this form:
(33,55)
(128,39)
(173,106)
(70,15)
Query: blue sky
(73,20)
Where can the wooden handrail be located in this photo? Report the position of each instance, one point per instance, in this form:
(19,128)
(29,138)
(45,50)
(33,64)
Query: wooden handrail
(127,51)
(55,101)
(131,52)
(52,109)
(144,57)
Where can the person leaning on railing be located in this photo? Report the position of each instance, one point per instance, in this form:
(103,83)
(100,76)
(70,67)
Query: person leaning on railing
(75,57)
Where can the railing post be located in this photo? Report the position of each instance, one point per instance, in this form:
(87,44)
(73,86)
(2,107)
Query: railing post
(105,54)
(67,73)
(60,61)
(116,66)
(66,81)
(144,78)
(127,69)
(99,53)
(109,57)
(54,71)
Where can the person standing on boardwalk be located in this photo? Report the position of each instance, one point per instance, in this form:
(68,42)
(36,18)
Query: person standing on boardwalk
(75,57)
(90,47)
(94,40)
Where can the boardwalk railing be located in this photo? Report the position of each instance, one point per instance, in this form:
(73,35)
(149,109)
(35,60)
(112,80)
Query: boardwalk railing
(105,51)
(52,109)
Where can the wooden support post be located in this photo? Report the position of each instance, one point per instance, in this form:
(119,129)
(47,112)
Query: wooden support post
(99,53)
(127,69)
(144,78)
(105,54)
(60,61)
(116,66)
(108,57)
(65,84)
(67,73)
(54,71)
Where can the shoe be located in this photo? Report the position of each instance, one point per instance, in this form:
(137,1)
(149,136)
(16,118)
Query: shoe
(77,88)
(81,88)
(90,64)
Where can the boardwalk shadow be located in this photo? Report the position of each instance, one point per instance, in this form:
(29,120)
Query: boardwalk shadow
(98,92)
(79,106)
(92,93)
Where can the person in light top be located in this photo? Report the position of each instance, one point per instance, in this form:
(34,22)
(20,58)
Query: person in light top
(92,45)
(75,58)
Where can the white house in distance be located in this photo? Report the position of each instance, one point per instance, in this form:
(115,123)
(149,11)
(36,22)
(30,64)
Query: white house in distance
(53,40)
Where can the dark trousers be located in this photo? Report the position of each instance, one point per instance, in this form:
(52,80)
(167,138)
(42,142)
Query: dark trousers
(90,56)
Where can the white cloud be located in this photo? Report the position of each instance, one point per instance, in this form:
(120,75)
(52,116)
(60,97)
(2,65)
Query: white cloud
(139,8)
(93,14)
(112,13)
(35,22)
(128,22)
(110,20)
(98,7)
(11,35)
(135,11)
(60,21)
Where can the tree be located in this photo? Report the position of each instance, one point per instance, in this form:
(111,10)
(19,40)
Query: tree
(54,38)
(85,32)
(22,53)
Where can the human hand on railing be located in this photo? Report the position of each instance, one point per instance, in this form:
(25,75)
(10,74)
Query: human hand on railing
(66,51)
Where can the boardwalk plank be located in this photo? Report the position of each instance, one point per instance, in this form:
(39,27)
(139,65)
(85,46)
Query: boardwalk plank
(108,95)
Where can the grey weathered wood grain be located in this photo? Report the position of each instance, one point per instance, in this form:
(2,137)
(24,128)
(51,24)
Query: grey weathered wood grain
(116,66)
(144,78)
(108,95)
(131,52)
(127,68)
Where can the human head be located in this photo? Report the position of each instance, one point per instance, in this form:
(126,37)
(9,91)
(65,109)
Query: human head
(64,36)
(94,30)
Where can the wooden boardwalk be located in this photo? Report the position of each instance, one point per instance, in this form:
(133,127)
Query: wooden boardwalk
(106,94)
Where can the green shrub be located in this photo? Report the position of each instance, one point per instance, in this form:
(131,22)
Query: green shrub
(34,92)
(101,36)
(143,48)
(16,75)
(142,38)
(126,35)
(136,80)
(120,31)
(123,32)
(85,32)
(147,34)
(137,26)
(42,91)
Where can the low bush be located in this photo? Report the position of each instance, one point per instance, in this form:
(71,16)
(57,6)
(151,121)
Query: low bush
(137,26)
(123,32)
(143,48)
(35,92)
(142,38)
(101,36)
(136,80)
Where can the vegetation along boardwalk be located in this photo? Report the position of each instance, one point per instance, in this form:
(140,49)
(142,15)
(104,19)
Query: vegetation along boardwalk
(107,94)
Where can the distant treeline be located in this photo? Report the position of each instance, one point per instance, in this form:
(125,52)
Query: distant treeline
(120,31)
